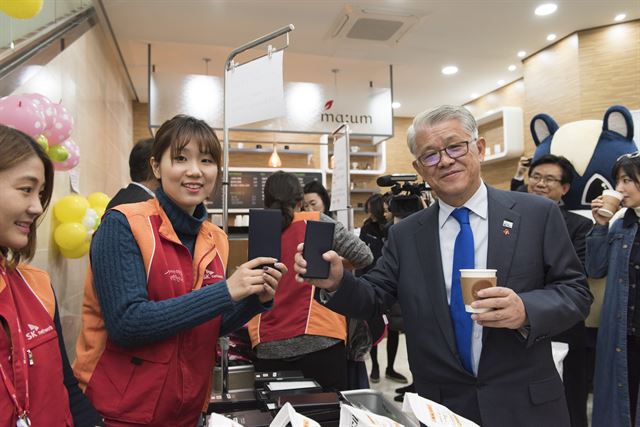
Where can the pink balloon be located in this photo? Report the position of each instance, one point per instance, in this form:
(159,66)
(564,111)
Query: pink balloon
(73,159)
(62,126)
(46,107)
(19,112)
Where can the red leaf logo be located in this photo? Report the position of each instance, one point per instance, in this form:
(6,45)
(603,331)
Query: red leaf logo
(328,104)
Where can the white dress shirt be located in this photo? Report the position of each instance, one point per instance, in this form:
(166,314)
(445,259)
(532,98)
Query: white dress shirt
(448,229)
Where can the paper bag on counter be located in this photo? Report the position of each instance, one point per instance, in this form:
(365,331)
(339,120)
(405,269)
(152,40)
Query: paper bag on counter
(354,417)
(217,420)
(288,414)
(433,414)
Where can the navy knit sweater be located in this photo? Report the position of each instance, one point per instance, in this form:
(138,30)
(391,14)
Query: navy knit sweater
(120,282)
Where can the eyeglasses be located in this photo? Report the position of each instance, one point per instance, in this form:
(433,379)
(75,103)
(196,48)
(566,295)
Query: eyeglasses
(629,156)
(454,151)
(547,180)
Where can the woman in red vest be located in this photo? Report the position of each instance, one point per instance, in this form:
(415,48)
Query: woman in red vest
(37,385)
(156,298)
(300,333)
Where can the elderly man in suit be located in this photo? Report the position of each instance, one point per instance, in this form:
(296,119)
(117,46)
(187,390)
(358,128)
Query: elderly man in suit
(494,368)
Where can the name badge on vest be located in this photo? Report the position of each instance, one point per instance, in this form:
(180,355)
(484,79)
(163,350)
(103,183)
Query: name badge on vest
(23,421)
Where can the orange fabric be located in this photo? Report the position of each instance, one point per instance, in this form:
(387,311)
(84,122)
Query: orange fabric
(40,284)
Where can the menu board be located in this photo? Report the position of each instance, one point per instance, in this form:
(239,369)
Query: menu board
(246,188)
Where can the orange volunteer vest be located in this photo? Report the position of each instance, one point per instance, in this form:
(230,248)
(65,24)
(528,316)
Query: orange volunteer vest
(166,382)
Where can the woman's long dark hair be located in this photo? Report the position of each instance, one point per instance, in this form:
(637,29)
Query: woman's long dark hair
(283,191)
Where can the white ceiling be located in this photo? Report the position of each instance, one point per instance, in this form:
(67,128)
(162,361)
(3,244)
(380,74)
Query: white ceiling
(480,37)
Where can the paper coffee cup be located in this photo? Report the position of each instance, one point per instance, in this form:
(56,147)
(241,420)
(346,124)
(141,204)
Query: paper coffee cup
(472,281)
(611,203)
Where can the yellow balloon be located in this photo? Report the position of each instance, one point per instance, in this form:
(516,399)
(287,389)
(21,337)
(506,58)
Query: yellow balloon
(98,200)
(76,253)
(71,208)
(70,236)
(21,9)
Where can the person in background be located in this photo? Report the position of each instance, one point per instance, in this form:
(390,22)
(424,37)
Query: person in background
(299,333)
(374,233)
(550,176)
(614,251)
(33,360)
(494,368)
(517,182)
(143,183)
(316,198)
(156,298)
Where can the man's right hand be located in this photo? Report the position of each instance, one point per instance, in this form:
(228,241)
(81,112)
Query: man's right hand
(332,283)
(523,166)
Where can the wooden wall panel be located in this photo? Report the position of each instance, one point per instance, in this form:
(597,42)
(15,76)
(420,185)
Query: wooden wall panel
(609,69)
(552,83)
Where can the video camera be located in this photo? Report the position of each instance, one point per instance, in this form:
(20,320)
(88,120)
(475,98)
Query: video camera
(406,194)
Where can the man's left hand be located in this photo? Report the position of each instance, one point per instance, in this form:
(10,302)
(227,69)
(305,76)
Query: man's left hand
(508,309)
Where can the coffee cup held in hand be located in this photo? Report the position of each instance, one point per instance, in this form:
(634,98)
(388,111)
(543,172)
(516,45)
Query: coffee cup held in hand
(472,281)
(610,203)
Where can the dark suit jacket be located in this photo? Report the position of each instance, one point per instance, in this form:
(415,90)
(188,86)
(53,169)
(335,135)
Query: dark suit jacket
(517,383)
(578,227)
(131,194)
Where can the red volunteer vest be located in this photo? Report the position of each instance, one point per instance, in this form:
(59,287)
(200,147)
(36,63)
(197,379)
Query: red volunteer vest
(26,297)
(165,383)
(295,311)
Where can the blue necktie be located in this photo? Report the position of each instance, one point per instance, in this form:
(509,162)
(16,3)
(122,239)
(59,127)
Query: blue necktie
(463,257)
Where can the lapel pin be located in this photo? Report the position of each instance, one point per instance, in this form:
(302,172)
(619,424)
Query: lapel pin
(507,224)
(505,231)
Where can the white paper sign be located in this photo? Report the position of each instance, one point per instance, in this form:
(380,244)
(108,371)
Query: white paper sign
(354,417)
(255,91)
(340,178)
(288,415)
(216,420)
(433,414)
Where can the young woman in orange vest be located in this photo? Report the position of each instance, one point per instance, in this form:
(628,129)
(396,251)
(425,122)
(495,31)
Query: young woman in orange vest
(36,382)
(157,299)
(300,333)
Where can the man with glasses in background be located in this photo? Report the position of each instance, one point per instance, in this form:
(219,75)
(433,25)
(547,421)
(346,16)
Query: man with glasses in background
(550,176)
(494,368)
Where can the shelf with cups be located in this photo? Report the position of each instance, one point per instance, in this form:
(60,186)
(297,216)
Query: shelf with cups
(269,151)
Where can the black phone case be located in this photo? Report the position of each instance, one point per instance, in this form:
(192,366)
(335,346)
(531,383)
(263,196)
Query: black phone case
(318,239)
(265,228)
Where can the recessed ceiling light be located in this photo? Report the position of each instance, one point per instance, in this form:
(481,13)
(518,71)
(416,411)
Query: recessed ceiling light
(522,54)
(395,104)
(511,67)
(546,9)
(619,17)
(500,82)
(449,69)
(551,37)
(474,95)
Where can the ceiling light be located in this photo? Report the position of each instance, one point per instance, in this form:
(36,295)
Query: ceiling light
(546,9)
(395,104)
(449,69)
(551,37)
(619,17)
(511,67)
(474,95)
(522,54)
(500,82)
